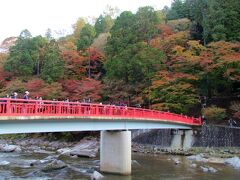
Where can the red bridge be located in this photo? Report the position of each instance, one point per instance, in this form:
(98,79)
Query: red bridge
(42,108)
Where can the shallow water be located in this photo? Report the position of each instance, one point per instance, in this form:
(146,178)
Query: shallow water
(147,167)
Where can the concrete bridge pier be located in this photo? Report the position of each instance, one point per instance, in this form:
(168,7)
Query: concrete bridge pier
(188,139)
(115,152)
(176,142)
(182,139)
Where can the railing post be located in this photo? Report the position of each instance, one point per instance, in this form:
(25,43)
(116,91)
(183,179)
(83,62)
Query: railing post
(110,110)
(8,106)
(58,110)
(35,111)
(97,110)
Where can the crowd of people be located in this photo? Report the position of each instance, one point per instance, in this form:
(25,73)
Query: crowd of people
(14,95)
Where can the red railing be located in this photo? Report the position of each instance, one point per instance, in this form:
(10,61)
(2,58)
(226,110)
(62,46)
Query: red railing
(21,107)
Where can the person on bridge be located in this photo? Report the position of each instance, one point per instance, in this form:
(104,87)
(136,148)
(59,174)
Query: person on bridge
(14,95)
(26,95)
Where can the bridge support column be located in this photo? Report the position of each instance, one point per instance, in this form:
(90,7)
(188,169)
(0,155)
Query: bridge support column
(188,139)
(177,139)
(115,152)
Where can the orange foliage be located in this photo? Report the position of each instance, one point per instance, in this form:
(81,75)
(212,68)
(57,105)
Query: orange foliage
(82,89)
(74,67)
(165,30)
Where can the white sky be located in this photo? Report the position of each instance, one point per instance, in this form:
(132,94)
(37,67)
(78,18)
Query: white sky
(38,15)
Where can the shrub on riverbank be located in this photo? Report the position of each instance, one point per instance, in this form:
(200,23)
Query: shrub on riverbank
(214,113)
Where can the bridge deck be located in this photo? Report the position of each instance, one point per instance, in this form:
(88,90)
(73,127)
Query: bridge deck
(29,113)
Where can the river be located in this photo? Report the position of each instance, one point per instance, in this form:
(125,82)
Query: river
(145,167)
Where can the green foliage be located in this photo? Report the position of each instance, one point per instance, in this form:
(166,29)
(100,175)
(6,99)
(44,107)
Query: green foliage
(131,28)
(35,56)
(145,23)
(122,33)
(87,35)
(53,65)
(13,136)
(133,69)
(77,27)
(214,113)
(135,64)
(25,34)
(179,9)
(25,57)
(103,24)
(173,92)
(211,20)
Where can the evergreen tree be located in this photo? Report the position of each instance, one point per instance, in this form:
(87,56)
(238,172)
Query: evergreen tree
(87,36)
(103,24)
(53,66)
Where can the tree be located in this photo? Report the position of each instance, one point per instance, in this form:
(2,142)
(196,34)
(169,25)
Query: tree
(25,34)
(53,65)
(73,64)
(82,89)
(178,10)
(103,24)
(215,20)
(172,91)
(87,35)
(122,34)
(146,23)
(25,57)
(134,67)
(77,27)
(48,34)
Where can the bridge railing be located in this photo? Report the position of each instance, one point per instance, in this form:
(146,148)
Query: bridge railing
(21,107)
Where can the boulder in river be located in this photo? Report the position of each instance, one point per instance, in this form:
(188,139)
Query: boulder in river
(3,163)
(64,151)
(234,162)
(96,176)
(85,148)
(198,157)
(208,169)
(9,148)
(54,165)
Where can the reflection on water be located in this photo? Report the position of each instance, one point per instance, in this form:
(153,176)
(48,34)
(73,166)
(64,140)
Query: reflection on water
(147,167)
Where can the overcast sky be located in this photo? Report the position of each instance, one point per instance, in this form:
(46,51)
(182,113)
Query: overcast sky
(38,15)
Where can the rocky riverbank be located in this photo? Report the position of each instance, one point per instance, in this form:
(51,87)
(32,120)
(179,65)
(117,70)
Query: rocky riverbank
(226,155)
(87,147)
(54,153)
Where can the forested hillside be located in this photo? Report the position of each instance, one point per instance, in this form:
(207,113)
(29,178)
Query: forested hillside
(183,58)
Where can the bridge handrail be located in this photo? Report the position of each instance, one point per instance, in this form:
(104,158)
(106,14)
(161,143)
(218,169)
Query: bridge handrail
(23,107)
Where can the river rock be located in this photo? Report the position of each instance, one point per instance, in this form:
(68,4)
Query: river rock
(9,148)
(134,162)
(234,162)
(86,148)
(43,161)
(176,161)
(64,151)
(208,169)
(43,151)
(3,163)
(198,157)
(54,165)
(80,170)
(96,176)
(193,165)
